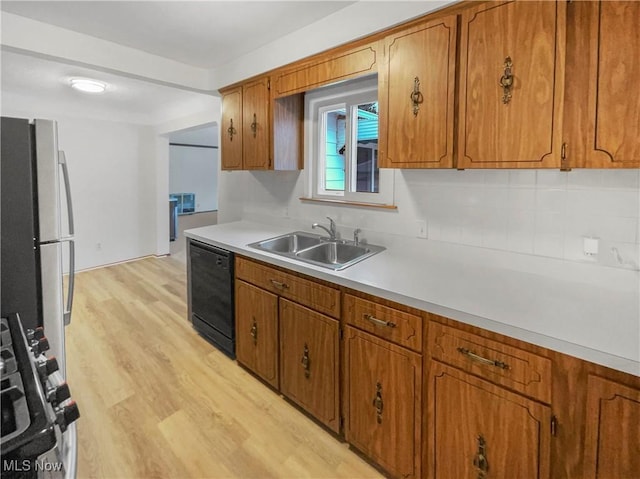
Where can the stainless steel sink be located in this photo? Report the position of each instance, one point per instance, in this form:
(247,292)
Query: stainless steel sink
(289,243)
(318,250)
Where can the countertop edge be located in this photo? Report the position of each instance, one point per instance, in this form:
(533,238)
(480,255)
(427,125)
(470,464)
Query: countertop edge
(558,345)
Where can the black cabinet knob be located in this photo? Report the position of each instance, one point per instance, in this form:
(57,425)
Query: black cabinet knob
(47,367)
(39,346)
(58,394)
(66,415)
(35,334)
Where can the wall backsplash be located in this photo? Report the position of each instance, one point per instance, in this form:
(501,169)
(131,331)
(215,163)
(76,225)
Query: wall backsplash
(536,212)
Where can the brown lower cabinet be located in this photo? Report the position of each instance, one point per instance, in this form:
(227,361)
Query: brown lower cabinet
(309,361)
(612,438)
(383,402)
(479,430)
(257,331)
(488,406)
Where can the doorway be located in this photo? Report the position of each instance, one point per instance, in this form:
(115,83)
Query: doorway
(193,182)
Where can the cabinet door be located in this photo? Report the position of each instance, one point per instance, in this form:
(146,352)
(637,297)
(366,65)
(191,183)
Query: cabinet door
(257,331)
(383,401)
(612,441)
(231,134)
(256,125)
(309,361)
(417,94)
(326,68)
(602,119)
(478,428)
(517,126)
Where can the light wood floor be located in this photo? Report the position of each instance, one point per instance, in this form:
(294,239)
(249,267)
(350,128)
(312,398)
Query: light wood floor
(157,401)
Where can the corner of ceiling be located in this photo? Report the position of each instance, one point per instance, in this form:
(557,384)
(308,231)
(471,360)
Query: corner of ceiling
(30,37)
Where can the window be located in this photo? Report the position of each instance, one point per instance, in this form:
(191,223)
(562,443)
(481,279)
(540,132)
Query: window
(342,137)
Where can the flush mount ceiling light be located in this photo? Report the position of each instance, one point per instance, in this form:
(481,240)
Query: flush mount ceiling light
(88,85)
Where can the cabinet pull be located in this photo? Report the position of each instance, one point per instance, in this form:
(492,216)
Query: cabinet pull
(278,284)
(379,322)
(254,125)
(306,362)
(378,403)
(480,460)
(416,96)
(231,130)
(480,359)
(254,332)
(506,81)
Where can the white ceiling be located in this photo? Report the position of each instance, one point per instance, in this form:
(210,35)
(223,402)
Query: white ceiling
(204,34)
(32,80)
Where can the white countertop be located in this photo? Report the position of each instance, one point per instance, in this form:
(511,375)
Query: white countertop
(582,310)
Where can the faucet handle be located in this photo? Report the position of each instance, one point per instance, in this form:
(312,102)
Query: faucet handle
(332,227)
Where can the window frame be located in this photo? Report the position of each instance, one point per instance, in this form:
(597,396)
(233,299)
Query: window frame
(348,95)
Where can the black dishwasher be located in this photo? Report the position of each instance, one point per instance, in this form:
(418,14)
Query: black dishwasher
(210,289)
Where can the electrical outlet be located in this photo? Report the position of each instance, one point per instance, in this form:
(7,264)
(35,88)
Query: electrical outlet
(421,229)
(98,246)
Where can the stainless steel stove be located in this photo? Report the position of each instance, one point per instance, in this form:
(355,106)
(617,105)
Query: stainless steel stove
(37,412)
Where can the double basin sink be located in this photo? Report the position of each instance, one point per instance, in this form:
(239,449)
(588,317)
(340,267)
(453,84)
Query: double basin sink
(318,250)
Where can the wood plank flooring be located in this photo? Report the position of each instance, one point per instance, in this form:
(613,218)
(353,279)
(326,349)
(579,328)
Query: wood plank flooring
(158,401)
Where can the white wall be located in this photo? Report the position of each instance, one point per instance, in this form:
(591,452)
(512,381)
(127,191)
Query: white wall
(112,171)
(195,170)
(535,212)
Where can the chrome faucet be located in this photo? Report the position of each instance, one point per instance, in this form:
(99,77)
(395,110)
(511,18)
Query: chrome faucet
(331,230)
(356,236)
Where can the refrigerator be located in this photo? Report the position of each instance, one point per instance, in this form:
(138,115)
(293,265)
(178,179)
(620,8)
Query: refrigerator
(37,226)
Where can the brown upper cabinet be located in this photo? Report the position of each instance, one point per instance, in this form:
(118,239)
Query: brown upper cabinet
(416,95)
(259,133)
(511,85)
(479,85)
(231,134)
(329,67)
(602,120)
(256,154)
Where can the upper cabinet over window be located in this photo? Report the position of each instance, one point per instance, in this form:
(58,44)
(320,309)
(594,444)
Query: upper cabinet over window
(326,68)
(511,85)
(417,96)
(602,119)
